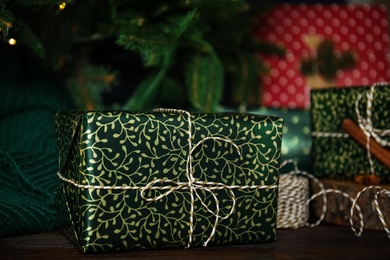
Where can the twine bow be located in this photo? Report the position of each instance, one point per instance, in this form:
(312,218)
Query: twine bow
(192,184)
(366,124)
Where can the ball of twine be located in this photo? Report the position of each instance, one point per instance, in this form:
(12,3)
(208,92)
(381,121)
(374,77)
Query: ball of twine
(294,200)
(293,210)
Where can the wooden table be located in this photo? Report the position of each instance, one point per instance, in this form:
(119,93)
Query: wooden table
(326,241)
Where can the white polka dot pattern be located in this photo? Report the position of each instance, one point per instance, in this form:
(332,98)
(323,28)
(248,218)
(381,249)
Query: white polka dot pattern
(360,28)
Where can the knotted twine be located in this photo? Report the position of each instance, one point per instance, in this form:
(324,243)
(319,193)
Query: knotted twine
(193,185)
(367,127)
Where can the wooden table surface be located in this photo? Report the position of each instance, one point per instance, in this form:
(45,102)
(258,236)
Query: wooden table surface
(326,241)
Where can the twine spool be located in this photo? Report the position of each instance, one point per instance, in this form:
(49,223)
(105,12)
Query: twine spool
(293,210)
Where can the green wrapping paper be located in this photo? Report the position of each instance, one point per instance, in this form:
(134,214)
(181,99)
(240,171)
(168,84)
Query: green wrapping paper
(296,144)
(129,182)
(336,154)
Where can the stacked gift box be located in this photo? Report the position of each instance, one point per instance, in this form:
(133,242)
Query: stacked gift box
(334,55)
(350,129)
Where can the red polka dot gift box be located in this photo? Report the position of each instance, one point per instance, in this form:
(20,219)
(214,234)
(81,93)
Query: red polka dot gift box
(326,46)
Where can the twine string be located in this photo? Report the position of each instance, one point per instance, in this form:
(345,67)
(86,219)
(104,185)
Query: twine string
(378,210)
(366,123)
(379,191)
(367,127)
(291,220)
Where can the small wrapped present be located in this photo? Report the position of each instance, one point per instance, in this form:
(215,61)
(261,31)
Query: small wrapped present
(351,133)
(167,178)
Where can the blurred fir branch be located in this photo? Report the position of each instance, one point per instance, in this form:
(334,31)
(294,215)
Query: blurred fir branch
(187,48)
(204,79)
(87,84)
(6,19)
(29,36)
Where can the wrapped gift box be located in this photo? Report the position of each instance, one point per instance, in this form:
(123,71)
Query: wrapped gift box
(360,30)
(167,179)
(336,153)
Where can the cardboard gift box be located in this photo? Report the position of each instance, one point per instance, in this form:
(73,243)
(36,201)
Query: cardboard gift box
(167,179)
(320,40)
(350,132)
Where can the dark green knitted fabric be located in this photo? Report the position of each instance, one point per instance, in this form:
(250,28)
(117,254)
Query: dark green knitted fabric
(28,156)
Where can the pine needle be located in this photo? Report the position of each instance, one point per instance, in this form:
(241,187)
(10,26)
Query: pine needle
(245,78)
(204,81)
(87,85)
(30,39)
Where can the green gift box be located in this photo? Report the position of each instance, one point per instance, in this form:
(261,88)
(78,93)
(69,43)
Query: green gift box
(167,178)
(336,153)
(296,144)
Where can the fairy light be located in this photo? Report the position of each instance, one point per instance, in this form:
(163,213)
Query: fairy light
(11,41)
(62,6)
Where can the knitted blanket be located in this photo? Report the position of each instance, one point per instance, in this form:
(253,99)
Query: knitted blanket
(28,156)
